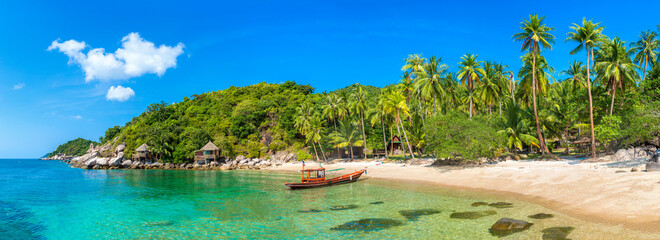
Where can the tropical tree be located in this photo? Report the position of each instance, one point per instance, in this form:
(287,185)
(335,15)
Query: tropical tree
(577,73)
(647,50)
(587,35)
(332,108)
(360,105)
(377,115)
(489,89)
(615,68)
(346,136)
(431,84)
(395,104)
(515,131)
(315,134)
(470,71)
(535,35)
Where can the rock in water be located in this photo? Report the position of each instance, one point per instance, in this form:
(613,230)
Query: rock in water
(376,202)
(541,216)
(343,207)
(476,204)
(309,210)
(652,167)
(556,233)
(158,224)
(501,205)
(508,226)
(472,215)
(414,214)
(368,224)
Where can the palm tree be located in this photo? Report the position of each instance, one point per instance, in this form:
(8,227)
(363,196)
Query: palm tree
(430,85)
(528,72)
(516,128)
(576,75)
(615,68)
(303,122)
(377,115)
(452,89)
(502,81)
(346,136)
(489,89)
(332,108)
(315,134)
(647,50)
(470,71)
(360,105)
(406,85)
(587,35)
(395,103)
(535,35)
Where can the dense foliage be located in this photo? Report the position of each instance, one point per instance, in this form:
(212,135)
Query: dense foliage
(76,147)
(484,109)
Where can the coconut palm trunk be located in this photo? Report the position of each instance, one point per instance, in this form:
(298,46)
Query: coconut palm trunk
(470,87)
(323,153)
(364,137)
(382,127)
(591,108)
(405,135)
(399,131)
(315,152)
(544,148)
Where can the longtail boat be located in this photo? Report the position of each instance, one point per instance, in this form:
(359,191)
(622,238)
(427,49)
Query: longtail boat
(315,177)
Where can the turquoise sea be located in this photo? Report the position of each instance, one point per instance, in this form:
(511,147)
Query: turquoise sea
(49,200)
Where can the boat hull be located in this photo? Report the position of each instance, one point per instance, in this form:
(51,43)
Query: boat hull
(348,178)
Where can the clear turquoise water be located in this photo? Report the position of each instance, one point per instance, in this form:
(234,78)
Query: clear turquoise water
(49,200)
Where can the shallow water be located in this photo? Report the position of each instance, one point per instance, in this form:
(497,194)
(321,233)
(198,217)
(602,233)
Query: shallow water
(49,200)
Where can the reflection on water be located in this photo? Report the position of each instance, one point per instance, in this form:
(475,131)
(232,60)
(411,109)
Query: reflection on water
(50,200)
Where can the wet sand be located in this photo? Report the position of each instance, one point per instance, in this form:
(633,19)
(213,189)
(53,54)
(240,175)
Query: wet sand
(588,191)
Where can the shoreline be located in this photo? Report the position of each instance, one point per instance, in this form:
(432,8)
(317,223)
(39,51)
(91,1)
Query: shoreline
(587,191)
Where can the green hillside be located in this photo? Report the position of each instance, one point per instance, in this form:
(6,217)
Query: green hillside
(74,147)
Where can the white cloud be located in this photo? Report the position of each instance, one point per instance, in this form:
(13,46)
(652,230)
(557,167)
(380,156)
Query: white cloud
(119,93)
(134,58)
(19,86)
(77,117)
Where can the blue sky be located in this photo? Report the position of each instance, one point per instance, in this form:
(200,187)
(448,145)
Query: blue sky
(45,99)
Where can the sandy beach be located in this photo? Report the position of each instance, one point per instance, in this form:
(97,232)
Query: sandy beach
(588,191)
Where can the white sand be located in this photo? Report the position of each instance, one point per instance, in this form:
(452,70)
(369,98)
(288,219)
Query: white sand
(586,190)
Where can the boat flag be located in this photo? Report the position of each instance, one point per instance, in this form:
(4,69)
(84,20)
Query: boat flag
(303,163)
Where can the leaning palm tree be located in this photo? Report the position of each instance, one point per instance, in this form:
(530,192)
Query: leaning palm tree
(395,104)
(576,75)
(615,68)
(535,35)
(587,35)
(360,106)
(647,50)
(315,134)
(377,115)
(346,136)
(470,71)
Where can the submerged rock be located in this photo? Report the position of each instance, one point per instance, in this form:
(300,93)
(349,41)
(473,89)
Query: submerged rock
(508,226)
(541,216)
(501,205)
(377,202)
(476,204)
(472,215)
(368,224)
(414,214)
(309,210)
(556,233)
(343,207)
(158,224)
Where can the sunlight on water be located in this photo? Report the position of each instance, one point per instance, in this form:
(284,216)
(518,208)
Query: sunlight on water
(49,200)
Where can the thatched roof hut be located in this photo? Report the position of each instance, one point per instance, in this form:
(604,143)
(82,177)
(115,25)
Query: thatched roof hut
(143,148)
(210,147)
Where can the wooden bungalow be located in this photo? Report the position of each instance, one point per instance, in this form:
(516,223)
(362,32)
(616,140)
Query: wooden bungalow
(345,152)
(395,143)
(142,154)
(209,152)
